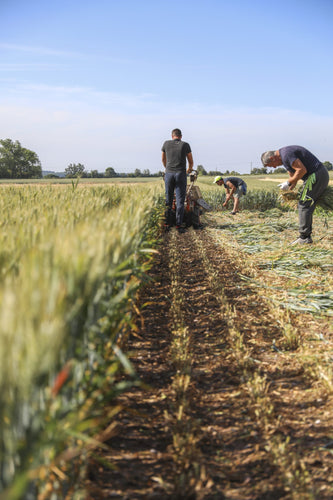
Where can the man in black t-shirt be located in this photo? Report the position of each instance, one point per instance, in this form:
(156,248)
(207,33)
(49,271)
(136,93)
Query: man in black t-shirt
(175,153)
(301,164)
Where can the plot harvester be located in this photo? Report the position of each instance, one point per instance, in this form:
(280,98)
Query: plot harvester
(194,205)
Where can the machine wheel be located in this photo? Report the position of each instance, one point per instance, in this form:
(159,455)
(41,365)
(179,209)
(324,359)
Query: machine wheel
(188,218)
(196,217)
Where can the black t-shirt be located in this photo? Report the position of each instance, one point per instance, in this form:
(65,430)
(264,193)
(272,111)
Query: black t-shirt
(176,152)
(291,153)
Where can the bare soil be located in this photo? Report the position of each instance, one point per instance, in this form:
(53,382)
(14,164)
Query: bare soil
(231,442)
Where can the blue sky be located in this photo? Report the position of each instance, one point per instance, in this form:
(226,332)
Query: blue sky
(103,82)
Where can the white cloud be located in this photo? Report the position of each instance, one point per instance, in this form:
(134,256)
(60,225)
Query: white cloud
(127,132)
(15,67)
(43,51)
(75,97)
(69,54)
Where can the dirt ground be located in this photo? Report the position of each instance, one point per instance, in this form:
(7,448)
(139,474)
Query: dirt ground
(250,424)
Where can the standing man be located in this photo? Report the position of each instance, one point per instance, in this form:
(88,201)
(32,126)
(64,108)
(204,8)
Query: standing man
(301,164)
(174,156)
(235,187)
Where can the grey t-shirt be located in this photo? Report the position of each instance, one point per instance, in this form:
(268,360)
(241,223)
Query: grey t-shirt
(176,152)
(291,153)
(236,181)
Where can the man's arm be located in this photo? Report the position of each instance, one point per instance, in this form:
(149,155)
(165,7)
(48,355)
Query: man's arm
(190,162)
(229,185)
(164,158)
(300,171)
(230,188)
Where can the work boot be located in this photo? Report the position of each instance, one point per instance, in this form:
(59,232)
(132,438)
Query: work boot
(180,229)
(302,241)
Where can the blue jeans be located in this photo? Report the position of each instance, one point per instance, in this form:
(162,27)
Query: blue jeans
(175,182)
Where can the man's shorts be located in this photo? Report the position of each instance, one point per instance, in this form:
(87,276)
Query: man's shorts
(240,191)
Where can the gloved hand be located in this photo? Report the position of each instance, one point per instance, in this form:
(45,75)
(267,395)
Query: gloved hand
(284,186)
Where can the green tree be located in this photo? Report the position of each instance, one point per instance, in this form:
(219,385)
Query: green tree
(17,162)
(74,170)
(214,172)
(95,174)
(137,172)
(328,165)
(51,176)
(201,170)
(146,172)
(259,171)
(110,172)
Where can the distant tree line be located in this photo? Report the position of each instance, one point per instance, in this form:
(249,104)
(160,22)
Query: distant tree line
(202,171)
(254,171)
(17,162)
(78,170)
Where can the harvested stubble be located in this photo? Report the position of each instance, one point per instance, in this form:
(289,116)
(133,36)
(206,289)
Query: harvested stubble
(296,278)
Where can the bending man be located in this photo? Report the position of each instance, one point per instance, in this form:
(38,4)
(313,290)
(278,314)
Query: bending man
(301,164)
(235,187)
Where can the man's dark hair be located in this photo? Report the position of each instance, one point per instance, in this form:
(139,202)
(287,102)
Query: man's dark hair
(176,132)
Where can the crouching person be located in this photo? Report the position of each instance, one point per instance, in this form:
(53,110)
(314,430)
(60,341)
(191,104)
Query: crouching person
(235,187)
